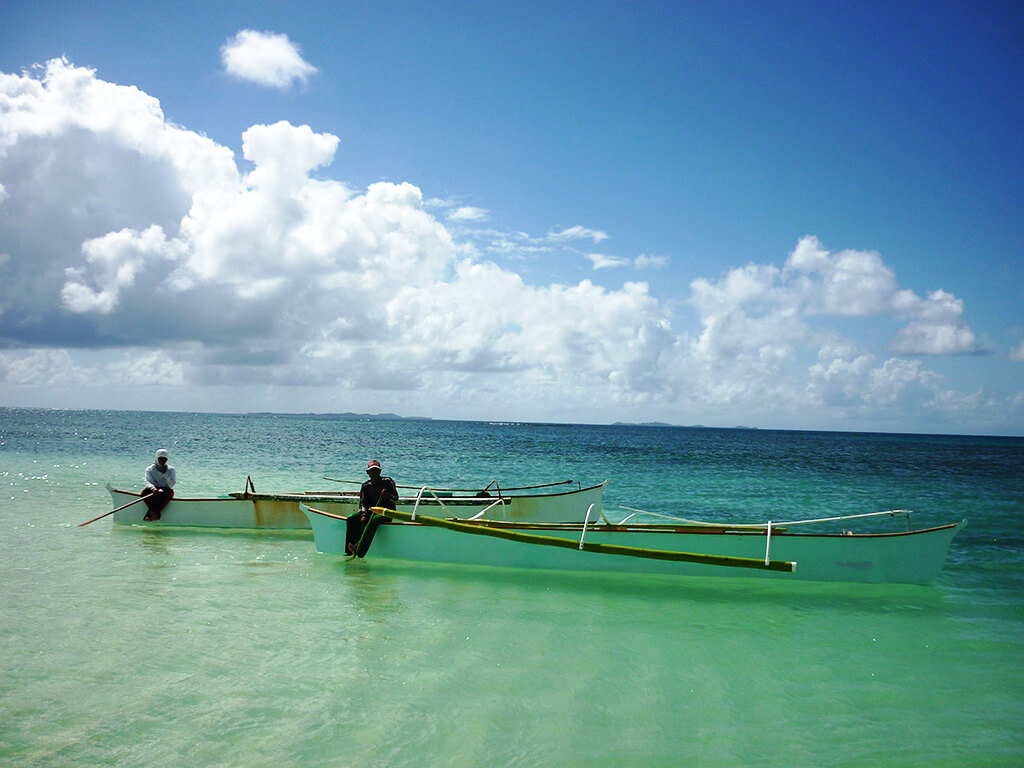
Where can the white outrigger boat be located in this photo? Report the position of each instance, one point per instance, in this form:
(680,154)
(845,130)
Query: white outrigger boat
(280,511)
(685,548)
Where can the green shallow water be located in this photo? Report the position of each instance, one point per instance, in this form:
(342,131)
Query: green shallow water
(166,648)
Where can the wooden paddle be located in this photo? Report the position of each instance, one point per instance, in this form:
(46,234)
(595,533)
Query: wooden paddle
(105,514)
(607,549)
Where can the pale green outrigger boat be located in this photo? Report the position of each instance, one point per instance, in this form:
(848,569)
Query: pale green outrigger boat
(691,548)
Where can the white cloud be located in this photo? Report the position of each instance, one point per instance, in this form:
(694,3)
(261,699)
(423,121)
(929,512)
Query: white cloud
(265,58)
(67,102)
(42,368)
(603,261)
(116,258)
(577,233)
(845,378)
(150,369)
(934,326)
(846,283)
(646,260)
(759,305)
(52,367)
(1017,352)
(468,213)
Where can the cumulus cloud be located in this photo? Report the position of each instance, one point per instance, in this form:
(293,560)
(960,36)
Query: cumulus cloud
(116,258)
(759,306)
(265,58)
(318,276)
(122,231)
(845,377)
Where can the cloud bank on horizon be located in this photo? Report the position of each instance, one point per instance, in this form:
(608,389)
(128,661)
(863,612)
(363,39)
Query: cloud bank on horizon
(121,231)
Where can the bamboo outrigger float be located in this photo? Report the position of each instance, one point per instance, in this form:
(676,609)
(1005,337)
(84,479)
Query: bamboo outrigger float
(280,511)
(690,548)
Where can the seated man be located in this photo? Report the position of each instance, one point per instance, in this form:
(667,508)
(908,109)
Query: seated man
(378,491)
(159,488)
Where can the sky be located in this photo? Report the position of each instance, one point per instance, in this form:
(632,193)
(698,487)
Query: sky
(782,215)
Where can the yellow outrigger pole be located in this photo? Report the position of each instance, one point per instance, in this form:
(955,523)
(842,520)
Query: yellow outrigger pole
(785,566)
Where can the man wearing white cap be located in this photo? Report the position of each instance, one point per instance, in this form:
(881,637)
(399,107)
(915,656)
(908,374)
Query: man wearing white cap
(159,488)
(378,491)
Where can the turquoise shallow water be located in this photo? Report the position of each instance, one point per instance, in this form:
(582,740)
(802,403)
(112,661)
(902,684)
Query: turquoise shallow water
(168,648)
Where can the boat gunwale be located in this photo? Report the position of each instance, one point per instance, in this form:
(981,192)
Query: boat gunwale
(446,500)
(111,489)
(658,528)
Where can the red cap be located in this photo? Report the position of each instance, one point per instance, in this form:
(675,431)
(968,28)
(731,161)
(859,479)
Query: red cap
(372,464)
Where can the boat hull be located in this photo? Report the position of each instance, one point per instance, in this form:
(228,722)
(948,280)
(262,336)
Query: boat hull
(915,557)
(281,511)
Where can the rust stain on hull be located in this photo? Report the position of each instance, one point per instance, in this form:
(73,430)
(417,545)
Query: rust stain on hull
(278,514)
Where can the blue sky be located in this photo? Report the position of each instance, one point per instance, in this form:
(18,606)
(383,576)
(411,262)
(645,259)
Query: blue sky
(777,214)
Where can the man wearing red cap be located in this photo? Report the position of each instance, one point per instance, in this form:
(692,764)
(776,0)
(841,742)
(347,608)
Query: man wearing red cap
(378,491)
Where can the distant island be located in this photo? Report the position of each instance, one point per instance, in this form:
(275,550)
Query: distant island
(350,416)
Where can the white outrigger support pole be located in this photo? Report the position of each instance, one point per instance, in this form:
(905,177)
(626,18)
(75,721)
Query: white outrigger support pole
(481,513)
(768,543)
(585,521)
(419,496)
(416,506)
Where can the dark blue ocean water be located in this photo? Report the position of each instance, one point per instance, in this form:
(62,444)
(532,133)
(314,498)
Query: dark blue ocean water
(169,648)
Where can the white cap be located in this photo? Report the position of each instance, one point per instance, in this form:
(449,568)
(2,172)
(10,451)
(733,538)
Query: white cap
(161,454)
